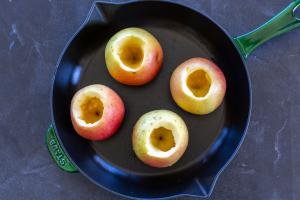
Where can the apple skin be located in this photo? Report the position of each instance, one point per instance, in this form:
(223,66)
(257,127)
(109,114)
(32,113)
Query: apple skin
(112,116)
(185,99)
(141,138)
(151,61)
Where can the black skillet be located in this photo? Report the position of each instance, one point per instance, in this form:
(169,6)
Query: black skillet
(183,33)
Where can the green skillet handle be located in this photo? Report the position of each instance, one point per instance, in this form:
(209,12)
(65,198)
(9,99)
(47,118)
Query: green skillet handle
(281,23)
(57,153)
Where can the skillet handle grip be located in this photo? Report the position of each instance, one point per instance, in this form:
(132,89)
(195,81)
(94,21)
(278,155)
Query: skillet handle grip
(285,21)
(57,153)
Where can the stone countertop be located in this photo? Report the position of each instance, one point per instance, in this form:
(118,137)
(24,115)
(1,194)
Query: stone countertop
(32,36)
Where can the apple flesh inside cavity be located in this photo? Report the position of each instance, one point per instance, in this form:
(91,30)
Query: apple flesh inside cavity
(96,112)
(160,138)
(133,56)
(198,86)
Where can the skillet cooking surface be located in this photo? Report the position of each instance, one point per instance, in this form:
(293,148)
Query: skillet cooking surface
(183,34)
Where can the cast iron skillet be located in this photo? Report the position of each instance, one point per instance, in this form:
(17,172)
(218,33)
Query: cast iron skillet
(183,34)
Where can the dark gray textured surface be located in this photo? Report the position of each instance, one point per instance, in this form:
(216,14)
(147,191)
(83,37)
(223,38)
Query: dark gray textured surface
(34,32)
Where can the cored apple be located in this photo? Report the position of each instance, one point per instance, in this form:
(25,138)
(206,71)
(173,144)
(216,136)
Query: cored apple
(133,56)
(96,112)
(198,86)
(160,138)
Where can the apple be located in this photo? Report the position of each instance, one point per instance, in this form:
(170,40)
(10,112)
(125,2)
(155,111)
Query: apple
(96,112)
(198,86)
(160,138)
(133,56)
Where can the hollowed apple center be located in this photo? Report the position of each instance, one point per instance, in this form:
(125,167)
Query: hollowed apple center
(162,139)
(131,52)
(91,109)
(199,83)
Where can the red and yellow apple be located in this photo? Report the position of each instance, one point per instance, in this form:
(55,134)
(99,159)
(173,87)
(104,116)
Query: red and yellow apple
(133,56)
(96,112)
(160,138)
(198,86)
